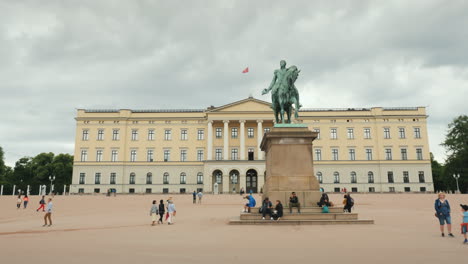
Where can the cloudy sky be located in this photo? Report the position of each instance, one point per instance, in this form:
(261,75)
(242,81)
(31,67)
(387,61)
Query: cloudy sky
(56,56)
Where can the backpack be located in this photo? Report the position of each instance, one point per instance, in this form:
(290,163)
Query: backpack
(325,209)
(351,202)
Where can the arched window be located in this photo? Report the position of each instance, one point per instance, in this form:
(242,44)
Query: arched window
(353,177)
(183,178)
(200,178)
(370,177)
(166,178)
(132,178)
(149,178)
(234,176)
(319,177)
(336,176)
(219,177)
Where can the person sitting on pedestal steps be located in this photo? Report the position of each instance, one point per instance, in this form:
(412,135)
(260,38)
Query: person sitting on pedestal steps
(278,213)
(251,203)
(294,202)
(266,208)
(324,200)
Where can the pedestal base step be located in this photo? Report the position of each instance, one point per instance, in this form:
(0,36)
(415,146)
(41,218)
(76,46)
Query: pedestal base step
(314,209)
(304,216)
(238,221)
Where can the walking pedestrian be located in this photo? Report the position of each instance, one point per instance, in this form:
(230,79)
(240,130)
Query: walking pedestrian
(194,194)
(464,225)
(162,210)
(442,208)
(200,196)
(171,209)
(18,202)
(48,214)
(154,212)
(42,204)
(348,203)
(25,201)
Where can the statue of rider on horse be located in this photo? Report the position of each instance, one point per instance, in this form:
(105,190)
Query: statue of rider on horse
(284,93)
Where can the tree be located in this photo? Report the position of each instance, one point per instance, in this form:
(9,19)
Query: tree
(2,166)
(438,175)
(456,142)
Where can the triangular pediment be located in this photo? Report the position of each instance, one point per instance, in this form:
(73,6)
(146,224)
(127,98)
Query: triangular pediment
(250,104)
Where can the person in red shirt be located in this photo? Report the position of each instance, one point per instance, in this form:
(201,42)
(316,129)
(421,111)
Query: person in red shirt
(42,203)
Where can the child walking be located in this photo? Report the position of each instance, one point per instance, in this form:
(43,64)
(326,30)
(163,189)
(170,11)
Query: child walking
(464,225)
(18,202)
(42,203)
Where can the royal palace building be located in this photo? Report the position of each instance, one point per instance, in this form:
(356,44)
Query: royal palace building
(217,149)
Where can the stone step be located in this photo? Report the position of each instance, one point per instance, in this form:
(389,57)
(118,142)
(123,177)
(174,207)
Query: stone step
(237,221)
(304,216)
(305,209)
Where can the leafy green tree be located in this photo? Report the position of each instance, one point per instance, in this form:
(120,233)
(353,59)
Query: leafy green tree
(438,175)
(3,167)
(456,143)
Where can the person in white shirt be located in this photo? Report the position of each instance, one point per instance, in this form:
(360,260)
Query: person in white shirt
(48,214)
(171,210)
(200,196)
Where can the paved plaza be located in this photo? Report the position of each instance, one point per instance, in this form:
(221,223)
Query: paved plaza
(99,229)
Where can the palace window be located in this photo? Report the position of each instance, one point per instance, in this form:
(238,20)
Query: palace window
(353,177)
(318,132)
(100,134)
(318,154)
(82,177)
(134,134)
(370,177)
(200,178)
(183,134)
(149,178)
(406,177)
(218,154)
(333,133)
(200,134)
(167,155)
(367,133)
(183,155)
(386,132)
(85,135)
(334,154)
(84,155)
(421,177)
(112,178)
(417,132)
(99,155)
(200,155)
(97,178)
(219,132)
(388,154)
(150,134)
(404,154)
(319,177)
(336,177)
(350,133)
(352,154)
(133,156)
(266,130)
(234,132)
(115,134)
(149,155)
(167,134)
(419,155)
(166,178)
(132,178)
(390,177)
(114,155)
(234,154)
(369,154)
(250,132)
(401,132)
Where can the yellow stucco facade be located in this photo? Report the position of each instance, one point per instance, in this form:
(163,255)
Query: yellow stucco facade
(217,149)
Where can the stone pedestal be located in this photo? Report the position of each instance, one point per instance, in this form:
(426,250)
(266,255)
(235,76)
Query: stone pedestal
(289,165)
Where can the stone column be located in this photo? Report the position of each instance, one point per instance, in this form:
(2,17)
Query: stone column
(226,183)
(210,141)
(259,139)
(226,140)
(242,140)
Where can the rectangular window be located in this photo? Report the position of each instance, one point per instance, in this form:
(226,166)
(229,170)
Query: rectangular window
(200,155)
(404,154)
(391,189)
(390,177)
(82,177)
(369,154)
(251,153)
(167,155)
(200,134)
(166,178)
(183,178)
(200,178)
(370,177)
(183,155)
(85,135)
(350,133)
(165,190)
(112,177)
(99,155)
(334,154)
(133,154)
(266,130)
(422,189)
(97,178)
(406,177)
(219,154)
(421,177)
(219,132)
(234,132)
(367,133)
(371,189)
(131,190)
(100,134)
(417,132)
(115,134)
(317,130)
(81,190)
(132,178)
(353,177)
(134,134)
(234,154)
(151,134)
(419,154)
(333,133)
(352,154)
(401,132)
(407,189)
(318,154)
(386,132)
(250,132)
(183,134)
(148,190)
(84,155)
(114,155)
(388,154)
(167,134)
(149,155)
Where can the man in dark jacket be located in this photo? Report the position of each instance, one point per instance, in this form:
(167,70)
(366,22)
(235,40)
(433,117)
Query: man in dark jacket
(294,202)
(266,208)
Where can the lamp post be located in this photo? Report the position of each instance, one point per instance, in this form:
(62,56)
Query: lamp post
(51,179)
(457,176)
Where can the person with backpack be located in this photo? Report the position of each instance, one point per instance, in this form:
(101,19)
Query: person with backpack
(42,204)
(348,203)
(442,208)
(161,211)
(324,200)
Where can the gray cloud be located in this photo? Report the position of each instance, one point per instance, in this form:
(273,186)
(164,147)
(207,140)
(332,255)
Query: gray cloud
(62,55)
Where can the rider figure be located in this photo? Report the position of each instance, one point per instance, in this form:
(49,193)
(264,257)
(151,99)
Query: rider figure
(278,76)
